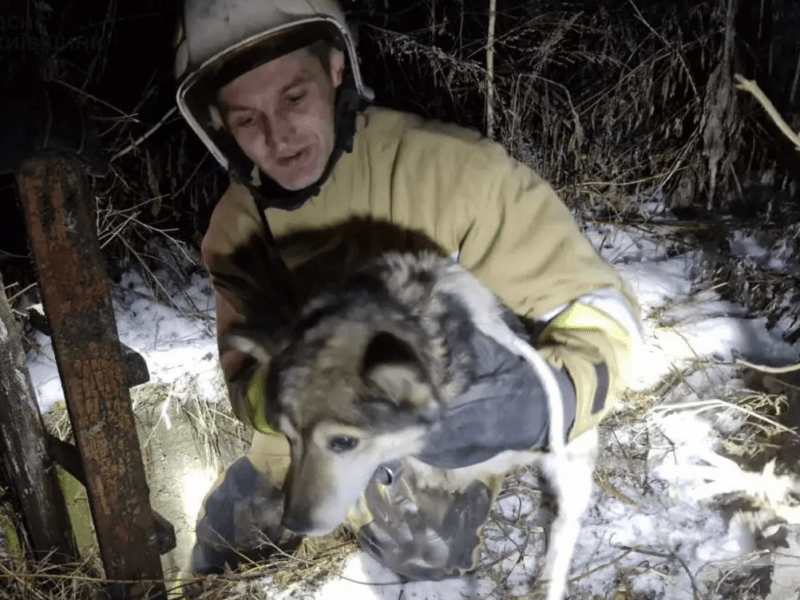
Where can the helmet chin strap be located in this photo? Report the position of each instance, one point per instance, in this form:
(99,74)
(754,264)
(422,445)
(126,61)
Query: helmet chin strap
(271,195)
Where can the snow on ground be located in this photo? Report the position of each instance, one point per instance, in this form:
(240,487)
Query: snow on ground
(175,343)
(651,531)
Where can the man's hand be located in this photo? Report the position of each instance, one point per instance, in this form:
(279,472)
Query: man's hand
(38,116)
(505,409)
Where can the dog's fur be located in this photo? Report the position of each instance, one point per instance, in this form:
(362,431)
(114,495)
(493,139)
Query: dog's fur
(368,371)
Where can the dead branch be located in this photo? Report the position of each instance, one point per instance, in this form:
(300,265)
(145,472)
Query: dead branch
(752,87)
(768,369)
(144,136)
(667,556)
(490,70)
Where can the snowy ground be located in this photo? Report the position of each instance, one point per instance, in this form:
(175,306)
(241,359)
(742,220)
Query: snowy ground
(656,528)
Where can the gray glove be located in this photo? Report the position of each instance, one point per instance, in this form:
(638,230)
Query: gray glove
(504,409)
(239,516)
(422,532)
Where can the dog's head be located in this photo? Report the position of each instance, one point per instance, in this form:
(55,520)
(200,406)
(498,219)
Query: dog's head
(350,395)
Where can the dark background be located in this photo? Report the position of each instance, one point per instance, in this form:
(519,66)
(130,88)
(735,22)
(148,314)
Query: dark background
(616,102)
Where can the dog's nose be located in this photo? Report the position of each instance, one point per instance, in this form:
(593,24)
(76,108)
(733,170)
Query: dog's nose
(294,518)
(294,523)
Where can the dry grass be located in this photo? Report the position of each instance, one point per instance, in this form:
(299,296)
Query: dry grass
(613,104)
(45,581)
(603,103)
(313,563)
(310,566)
(753,282)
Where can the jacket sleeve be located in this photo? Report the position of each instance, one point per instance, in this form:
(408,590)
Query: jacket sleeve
(250,292)
(521,241)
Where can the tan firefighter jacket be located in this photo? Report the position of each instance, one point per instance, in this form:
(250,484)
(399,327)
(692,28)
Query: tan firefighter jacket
(413,184)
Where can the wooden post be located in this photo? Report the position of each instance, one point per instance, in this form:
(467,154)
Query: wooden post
(75,295)
(23,447)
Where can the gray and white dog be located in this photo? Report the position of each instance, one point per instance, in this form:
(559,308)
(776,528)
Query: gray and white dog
(369,371)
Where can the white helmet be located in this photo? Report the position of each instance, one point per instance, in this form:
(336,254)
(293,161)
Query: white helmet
(218,40)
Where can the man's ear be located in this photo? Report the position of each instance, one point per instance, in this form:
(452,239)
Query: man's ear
(337,62)
(392,366)
(217,118)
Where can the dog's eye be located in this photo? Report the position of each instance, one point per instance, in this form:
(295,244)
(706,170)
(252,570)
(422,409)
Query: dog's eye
(342,443)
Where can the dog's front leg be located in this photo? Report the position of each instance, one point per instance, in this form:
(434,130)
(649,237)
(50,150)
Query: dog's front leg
(571,476)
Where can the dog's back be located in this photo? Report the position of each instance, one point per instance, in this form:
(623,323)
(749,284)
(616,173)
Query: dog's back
(401,297)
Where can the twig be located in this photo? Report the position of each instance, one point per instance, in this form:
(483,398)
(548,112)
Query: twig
(165,232)
(111,235)
(106,214)
(751,86)
(86,94)
(149,272)
(699,406)
(146,135)
(189,179)
(12,255)
(605,565)
(8,574)
(768,369)
(668,45)
(610,489)
(433,22)
(578,135)
(668,556)
(19,293)
(490,70)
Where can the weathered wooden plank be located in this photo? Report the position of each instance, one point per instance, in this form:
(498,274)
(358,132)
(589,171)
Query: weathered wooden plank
(24,450)
(76,300)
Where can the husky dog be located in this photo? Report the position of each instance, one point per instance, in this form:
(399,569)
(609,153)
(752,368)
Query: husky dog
(370,368)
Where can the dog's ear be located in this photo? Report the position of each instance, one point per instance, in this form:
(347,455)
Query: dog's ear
(392,365)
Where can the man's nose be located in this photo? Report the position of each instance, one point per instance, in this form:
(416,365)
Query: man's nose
(279,133)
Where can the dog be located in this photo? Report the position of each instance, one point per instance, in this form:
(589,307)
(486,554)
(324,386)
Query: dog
(367,371)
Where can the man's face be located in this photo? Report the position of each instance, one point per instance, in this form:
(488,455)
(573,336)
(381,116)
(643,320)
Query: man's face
(282,115)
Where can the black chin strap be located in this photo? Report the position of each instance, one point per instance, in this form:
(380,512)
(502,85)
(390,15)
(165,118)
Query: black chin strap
(349,103)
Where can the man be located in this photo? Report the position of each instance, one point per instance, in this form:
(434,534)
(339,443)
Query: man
(321,182)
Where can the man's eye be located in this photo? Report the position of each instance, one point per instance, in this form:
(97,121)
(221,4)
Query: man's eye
(295,98)
(342,443)
(244,122)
